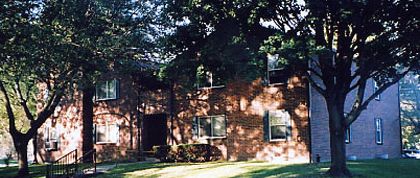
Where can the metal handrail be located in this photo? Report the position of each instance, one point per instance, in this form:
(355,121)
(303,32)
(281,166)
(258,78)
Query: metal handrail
(69,165)
(88,161)
(66,165)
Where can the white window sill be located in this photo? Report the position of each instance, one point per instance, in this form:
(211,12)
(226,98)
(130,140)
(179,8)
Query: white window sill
(276,84)
(278,140)
(212,87)
(105,99)
(206,138)
(103,143)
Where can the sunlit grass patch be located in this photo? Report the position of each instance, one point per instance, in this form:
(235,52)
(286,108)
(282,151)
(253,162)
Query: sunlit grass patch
(366,168)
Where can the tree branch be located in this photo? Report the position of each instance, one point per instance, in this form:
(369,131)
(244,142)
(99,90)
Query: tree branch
(10,114)
(358,108)
(317,87)
(23,101)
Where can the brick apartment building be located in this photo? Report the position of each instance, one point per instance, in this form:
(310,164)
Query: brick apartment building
(277,119)
(375,134)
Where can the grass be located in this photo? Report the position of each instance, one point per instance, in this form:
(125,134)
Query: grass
(368,168)
(37,170)
(400,168)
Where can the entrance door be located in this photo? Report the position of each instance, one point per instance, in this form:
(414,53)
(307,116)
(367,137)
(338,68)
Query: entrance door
(154,131)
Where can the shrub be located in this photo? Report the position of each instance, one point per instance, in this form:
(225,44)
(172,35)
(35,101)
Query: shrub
(7,159)
(187,153)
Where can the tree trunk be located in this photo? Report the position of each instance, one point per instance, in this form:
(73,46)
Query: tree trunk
(35,144)
(338,167)
(22,151)
(87,109)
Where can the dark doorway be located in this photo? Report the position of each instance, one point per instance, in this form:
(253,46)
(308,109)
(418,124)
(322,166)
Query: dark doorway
(154,131)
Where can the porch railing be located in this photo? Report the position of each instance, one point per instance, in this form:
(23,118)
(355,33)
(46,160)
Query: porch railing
(87,163)
(65,166)
(71,166)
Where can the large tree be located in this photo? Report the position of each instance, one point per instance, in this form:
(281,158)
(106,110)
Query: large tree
(346,42)
(50,47)
(108,36)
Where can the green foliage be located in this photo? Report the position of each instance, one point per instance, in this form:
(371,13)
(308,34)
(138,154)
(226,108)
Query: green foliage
(222,36)
(187,153)
(410,114)
(345,42)
(62,45)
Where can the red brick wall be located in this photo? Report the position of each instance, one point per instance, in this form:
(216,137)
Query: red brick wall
(244,104)
(121,111)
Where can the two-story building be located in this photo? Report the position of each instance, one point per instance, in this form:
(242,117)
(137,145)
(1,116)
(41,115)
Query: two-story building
(277,117)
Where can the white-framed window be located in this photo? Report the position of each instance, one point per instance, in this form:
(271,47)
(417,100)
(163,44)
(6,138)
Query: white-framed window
(207,79)
(275,73)
(210,126)
(347,135)
(279,125)
(376,88)
(379,131)
(107,90)
(51,138)
(107,133)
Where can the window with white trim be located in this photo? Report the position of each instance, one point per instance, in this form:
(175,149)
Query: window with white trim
(348,135)
(210,126)
(376,88)
(275,73)
(279,125)
(379,131)
(207,79)
(107,133)
(51,138)
(107,90)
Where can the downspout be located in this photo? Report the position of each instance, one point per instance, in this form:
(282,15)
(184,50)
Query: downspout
(309,121)
(309,114)
(171,111)
(139,127)
(399,117)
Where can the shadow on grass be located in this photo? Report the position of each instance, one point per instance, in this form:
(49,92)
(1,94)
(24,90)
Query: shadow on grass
(400,168)
(154,168)
(364,168)
(294,170)
(37,170)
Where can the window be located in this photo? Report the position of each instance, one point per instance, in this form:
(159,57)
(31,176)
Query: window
(279,125)
(275,73)
(207,79)
(106,90)
(379,131)
(108,133)
(210,126)
(51,138)
(376,88)
(348,135)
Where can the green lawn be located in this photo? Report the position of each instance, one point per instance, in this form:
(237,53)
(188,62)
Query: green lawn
(34,171)
(370,168)
(399,168)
